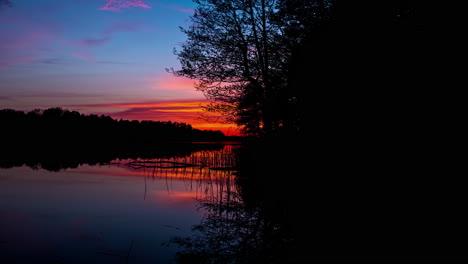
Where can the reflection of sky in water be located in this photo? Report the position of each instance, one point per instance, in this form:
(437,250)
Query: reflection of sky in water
(92,214)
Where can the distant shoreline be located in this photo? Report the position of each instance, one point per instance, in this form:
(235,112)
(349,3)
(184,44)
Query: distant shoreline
(61,126)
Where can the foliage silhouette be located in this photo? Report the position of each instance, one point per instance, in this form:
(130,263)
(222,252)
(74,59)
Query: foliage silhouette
(373,125)
(366,167)
(238,51)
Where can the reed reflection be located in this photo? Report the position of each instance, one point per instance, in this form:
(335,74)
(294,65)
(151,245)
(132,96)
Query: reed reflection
(237,227)
(207,174)
(69,158)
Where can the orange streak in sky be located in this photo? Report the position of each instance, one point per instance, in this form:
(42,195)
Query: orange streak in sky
(184,111)
(196,104)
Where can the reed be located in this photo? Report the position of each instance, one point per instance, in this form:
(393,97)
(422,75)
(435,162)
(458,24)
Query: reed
(225,159)
(211,174)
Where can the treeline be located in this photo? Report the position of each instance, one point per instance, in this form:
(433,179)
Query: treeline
(65,128)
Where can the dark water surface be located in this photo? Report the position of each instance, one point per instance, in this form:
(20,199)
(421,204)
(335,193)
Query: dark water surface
(121,212)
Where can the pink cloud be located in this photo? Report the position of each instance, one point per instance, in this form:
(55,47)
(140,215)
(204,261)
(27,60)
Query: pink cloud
(32,43)
(170,82)
(24,41)
(117,5)
(84,55)
(183,10)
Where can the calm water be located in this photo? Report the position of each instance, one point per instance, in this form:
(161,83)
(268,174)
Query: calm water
(122,212)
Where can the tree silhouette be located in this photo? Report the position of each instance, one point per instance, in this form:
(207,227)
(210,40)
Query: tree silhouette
(379,120)
(239,52)
(380,135)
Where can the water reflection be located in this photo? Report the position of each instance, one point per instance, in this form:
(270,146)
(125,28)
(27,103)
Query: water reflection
(64,158)
(113,213)
(230,232)
(236,227)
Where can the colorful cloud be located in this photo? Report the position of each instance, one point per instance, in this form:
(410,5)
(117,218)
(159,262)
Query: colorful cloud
(180,9)
(186,111)
(25,39)
(170,82)
(84,55)
(24,46)
(94,42)
(118,5)
(123,27)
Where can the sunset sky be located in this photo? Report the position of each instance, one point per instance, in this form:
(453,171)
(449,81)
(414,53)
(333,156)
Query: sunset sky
(98,57)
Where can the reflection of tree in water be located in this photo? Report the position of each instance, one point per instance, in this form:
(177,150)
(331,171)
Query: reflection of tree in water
(64,157)
(232,230)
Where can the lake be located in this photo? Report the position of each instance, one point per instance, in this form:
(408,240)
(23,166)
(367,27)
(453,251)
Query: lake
(215,203)
(128,210)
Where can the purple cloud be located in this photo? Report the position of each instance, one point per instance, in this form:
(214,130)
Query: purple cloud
(5,62)
(51,61)
(114,62)
(58,94)
(117,5)
(84,55)
(123,27)
(5,3)
(95,42)
(107,34)
(24,41)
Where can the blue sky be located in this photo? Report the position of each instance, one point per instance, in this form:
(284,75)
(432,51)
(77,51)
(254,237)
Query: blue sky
(96,56)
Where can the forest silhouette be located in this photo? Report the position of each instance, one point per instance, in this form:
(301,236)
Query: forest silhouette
(356,157)
(56,138)
(61,127)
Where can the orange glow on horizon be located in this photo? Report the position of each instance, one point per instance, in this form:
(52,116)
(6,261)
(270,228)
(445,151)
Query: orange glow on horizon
(194,104)
(183,111)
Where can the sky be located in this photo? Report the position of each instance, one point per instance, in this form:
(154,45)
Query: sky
(99,57)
